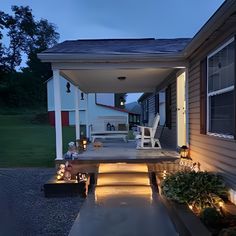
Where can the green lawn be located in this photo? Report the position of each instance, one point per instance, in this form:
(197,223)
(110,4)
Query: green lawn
(23,144)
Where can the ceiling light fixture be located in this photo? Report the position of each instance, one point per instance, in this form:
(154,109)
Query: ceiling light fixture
(121,78)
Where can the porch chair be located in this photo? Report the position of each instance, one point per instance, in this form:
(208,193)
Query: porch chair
(146,139)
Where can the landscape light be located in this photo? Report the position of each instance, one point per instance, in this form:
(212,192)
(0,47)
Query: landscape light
(184,151)
(84,142)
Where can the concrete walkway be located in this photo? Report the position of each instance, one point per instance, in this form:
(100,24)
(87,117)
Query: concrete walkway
(123,204)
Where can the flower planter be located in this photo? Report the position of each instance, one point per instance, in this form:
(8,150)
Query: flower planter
(185,221)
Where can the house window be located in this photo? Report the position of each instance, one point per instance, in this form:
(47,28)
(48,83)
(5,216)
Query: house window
(162,107)
(220,91)
(168,106)
(157,110)
(145,111)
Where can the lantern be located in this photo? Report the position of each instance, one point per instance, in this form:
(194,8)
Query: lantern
(184,151)
(67,176)
(84,143)
(122,101)
(82,177)
(68,87)
(82,96)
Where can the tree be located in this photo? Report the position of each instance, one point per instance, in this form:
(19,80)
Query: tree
(19,27)
(26,36)
(45,37)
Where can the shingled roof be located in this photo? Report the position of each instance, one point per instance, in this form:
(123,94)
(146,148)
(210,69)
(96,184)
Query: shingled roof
(120,46)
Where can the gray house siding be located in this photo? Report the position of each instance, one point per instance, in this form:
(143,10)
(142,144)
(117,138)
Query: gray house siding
(168,136)
(213,153)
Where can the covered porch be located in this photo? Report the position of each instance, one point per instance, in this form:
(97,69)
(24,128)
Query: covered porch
(113,66)
(112,151)
(119,152)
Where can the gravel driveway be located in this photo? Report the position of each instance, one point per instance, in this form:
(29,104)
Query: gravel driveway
(25,211)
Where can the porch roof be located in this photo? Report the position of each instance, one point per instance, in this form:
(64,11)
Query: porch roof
(119,46)
(97,65)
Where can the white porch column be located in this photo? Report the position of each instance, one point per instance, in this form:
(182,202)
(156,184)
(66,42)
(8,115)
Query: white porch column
(57,104)
(77,117)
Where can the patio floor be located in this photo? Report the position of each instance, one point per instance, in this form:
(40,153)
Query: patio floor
(120,151)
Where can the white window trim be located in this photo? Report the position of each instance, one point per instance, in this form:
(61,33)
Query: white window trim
(217,92)
(220,48)
(221,135)
(220,91)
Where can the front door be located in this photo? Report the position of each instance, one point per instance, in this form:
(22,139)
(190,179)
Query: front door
(181,109)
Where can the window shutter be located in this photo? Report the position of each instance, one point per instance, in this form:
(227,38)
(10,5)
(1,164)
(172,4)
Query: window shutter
(157,110)
(143,112)
(168,107)
(203,96)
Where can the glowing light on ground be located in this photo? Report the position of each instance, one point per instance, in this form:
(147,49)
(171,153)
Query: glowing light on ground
(123,167)
(123,181)
(127,191)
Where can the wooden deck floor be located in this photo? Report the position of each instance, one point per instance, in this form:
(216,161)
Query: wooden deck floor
(121,151)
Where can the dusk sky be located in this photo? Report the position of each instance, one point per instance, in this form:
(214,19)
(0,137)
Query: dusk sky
(84,19)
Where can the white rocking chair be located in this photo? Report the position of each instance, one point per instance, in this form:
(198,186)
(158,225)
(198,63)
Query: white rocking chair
(146,139)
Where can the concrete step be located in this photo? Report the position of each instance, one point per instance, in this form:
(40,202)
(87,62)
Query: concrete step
(110,192)
(122,167)
(115,179)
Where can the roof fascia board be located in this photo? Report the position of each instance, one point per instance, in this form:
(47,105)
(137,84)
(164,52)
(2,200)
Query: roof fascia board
(215,21)
(118,65)
(76,57)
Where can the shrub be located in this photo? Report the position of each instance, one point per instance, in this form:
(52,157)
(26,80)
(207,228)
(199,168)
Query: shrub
(228,232)
(200,189)
(210,216)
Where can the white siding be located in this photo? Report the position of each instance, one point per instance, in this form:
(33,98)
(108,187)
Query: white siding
(96,110)
(105,98)
(67,99)
(81,117)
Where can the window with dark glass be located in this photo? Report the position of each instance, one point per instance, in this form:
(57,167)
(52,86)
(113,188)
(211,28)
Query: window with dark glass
(220,91)
(145,111)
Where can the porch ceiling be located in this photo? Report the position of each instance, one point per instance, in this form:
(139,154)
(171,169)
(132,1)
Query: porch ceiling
(106,80)
(95,65)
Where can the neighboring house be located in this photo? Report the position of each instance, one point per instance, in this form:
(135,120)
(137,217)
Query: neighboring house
(190,82)
(91,106)
(134,110)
